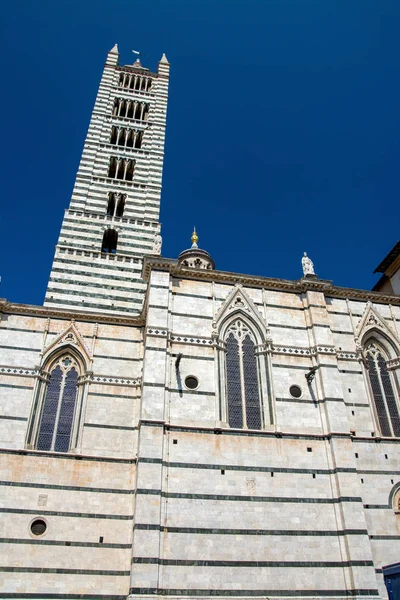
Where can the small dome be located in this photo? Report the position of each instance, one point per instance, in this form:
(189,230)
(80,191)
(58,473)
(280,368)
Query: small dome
(195,257)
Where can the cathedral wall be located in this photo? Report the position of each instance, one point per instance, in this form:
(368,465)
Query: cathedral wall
(86,497)
(274,510)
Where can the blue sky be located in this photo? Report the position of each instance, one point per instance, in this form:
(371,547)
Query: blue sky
(282,136)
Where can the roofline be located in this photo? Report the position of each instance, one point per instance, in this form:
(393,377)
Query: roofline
(389,259)
(285,285)
(68,314)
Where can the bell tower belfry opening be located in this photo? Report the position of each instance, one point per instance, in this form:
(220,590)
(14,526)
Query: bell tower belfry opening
(113,218)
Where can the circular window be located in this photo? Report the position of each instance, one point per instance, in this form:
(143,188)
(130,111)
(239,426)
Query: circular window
(191,382)
(295,391)
(38,527)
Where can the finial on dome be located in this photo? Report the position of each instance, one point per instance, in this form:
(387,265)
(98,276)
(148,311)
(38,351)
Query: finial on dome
(195,238)
(194,257)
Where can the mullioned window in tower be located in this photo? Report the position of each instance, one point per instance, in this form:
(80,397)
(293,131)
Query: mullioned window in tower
(131,109)
(128,138)
(116,204)
(121,168)
(135,82)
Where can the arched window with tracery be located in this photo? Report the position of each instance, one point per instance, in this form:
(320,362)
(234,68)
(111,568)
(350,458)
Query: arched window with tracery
(58,406)
(383,391)
(242,377)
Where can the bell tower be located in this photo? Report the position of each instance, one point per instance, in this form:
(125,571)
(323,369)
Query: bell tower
(113,218)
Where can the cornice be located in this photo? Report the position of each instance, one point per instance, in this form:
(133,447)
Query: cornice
(67,313)
(285,285)
(136,71)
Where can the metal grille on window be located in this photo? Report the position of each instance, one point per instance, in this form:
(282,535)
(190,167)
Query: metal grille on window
(59,407)
(242,385)
(390,397)
(253,414)
(49,413)
(235,410)
(66,412)
(382,390)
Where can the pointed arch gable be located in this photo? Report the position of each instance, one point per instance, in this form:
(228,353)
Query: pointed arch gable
(373,326)
(239,304)
(70,339)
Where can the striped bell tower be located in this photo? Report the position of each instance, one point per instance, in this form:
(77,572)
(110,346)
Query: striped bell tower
(113,217)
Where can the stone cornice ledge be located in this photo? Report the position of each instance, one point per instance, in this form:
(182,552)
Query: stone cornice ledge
(66,313)
(285,285)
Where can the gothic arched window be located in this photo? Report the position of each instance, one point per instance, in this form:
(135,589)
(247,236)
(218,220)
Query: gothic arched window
(58,406)
(242,378)
(386,406)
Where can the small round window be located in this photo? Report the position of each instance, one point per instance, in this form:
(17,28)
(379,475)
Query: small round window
(191,382)
(38,527)
(295,391)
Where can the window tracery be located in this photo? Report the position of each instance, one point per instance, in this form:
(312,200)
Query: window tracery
(383,391)
(58,407)
(242,377)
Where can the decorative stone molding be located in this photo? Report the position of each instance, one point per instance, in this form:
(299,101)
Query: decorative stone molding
(69,337)
(186,339)
(323,350)
(238,302)
(371,319)
(116,380)
(291,350)
(394,363)
(347,355)
(66,313)
(297,286)
(156,332)
(19,371)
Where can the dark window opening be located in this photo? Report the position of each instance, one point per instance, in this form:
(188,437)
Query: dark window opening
(111,206)
(110,239)
(120,207)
